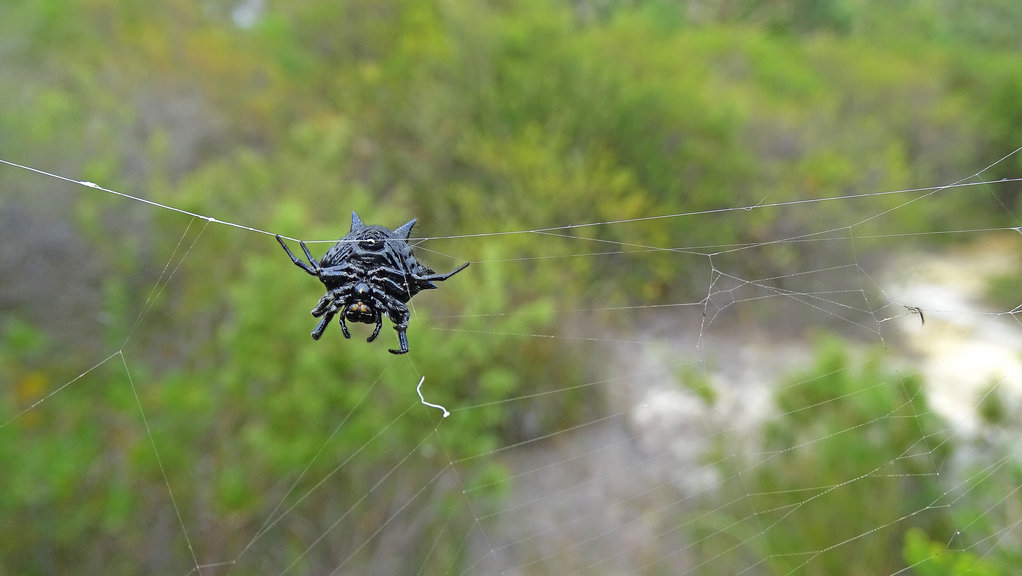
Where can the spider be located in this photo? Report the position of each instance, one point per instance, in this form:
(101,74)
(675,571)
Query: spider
(369,273)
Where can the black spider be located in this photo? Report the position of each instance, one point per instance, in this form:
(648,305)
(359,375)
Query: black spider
(369,272)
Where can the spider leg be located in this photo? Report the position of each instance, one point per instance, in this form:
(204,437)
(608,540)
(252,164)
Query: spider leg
(313,270)
(433,277)
(393,286)
(376,331)
(392,276)
(402,339)
(327,308)
(340,271)
(397,273)
(313,260)
(344,328)
(324,322)
(326,303)
(401,325)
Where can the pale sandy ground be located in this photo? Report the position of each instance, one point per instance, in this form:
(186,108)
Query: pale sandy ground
(967,348)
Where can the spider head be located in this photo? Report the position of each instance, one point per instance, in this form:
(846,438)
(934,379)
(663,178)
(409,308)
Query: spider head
(360,312)
(361,309)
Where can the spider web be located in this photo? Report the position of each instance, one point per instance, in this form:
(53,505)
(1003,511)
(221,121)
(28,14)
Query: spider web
(702,434)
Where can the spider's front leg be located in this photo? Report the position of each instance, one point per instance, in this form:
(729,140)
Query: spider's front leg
(312,267)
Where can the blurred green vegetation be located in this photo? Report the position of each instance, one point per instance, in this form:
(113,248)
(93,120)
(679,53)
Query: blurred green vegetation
(474,117)
(929,558)
(857,465)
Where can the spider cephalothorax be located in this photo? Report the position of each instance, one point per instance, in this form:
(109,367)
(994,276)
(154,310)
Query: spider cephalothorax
(369,273)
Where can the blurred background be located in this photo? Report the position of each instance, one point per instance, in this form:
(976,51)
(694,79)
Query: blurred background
(670,355)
